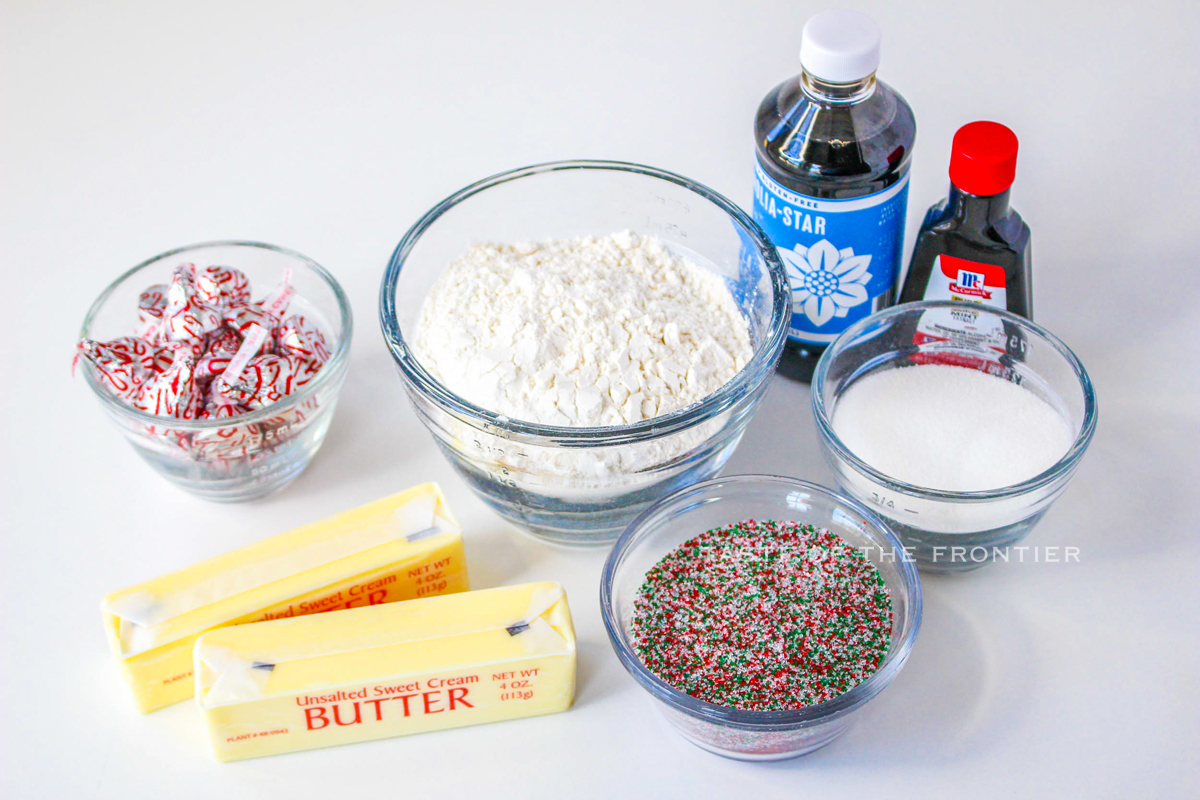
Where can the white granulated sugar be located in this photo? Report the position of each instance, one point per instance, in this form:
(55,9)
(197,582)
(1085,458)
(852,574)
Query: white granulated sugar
(581,332)
(950,428)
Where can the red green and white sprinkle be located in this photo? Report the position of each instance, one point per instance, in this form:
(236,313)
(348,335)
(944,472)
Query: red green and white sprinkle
(763,616)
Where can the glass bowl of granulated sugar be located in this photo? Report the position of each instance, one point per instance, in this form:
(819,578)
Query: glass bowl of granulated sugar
(584,337)
(959,424)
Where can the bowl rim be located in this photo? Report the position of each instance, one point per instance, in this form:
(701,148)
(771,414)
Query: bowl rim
(766,354)
(844,703)
(329,373)
(1064,466)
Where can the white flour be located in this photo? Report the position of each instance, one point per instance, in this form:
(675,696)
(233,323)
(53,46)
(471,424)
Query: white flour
(582,332)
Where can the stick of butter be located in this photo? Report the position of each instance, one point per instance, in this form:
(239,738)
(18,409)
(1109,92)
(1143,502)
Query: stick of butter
(404,546)
(369,673)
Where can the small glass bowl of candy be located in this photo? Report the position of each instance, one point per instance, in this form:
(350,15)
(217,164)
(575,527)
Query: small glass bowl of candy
(753,735)
(155,363)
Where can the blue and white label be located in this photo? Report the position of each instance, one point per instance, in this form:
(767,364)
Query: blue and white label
(842,256)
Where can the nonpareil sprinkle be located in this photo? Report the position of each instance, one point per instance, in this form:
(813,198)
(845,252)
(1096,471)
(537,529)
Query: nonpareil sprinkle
(763,616)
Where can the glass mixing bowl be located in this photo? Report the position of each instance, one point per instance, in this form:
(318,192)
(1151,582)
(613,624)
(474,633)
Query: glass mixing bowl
(584,485)
(756,735)
(283,436)
(955,531)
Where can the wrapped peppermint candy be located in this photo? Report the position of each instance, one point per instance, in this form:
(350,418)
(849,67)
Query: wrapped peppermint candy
(304,345)
(162,358)
(240,318)
(235,441)
(303,371)
(249,346)
(134,350)
(174,393)
(186,315)
(151,305)
(276,303)
(116,366)
(222,287)
(225,345)
(207,351)
(189,347)
(299,337)
(266,380)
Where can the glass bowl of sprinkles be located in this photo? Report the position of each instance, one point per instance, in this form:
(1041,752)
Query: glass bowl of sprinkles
(760,612)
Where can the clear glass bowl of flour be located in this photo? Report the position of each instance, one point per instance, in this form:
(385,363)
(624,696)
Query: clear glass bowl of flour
(583,485)
(956,531)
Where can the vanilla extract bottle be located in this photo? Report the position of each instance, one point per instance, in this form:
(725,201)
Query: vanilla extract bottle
(973,246)
(834,146)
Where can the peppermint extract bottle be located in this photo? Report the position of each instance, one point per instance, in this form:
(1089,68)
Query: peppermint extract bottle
(831,185)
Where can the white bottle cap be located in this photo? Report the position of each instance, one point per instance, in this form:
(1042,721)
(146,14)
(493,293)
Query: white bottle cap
(840,46)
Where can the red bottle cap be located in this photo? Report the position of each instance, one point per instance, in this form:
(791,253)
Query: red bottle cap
(983,159)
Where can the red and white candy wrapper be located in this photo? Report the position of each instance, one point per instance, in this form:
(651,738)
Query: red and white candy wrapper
(116,367)
(299,337)
(279,427)
(304,345)
(186,316)
(190,347)
(249,347)
(240,318)
(151,305)
(303,371)
(266,380)
(206,351)
(175,393)
(221,287)
(276,303)
(133,349)
(163,358)
(224,346)
(236,441)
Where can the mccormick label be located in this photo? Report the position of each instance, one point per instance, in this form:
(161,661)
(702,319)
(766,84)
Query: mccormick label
(959,279)
(978,339)
(842,256)
(964,337)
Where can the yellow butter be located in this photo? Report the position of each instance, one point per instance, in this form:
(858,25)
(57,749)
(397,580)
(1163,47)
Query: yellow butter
(369,673)
(405,546)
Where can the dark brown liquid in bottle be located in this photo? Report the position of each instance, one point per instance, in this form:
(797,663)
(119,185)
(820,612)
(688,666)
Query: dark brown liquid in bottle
(825,143)
(980,229)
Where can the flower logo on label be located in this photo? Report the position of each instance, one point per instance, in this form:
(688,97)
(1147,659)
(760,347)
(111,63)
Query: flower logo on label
(826,282)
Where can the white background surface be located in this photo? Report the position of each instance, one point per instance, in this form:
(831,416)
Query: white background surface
(134,128)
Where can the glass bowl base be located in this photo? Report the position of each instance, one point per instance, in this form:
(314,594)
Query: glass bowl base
(575,522)
(944,553)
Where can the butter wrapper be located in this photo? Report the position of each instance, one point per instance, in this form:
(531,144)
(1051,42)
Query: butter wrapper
(389,670)
(405,546)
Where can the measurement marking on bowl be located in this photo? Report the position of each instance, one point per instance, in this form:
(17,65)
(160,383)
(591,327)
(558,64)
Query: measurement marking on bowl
(882,500)
(666,227)
(669,202)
